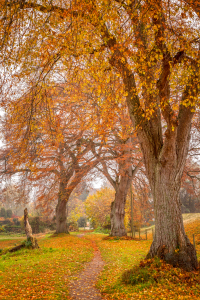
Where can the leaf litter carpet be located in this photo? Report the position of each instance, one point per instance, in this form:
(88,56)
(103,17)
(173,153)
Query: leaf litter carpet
(83,288)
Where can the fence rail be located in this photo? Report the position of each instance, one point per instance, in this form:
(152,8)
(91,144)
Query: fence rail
(148,233)
(142,234)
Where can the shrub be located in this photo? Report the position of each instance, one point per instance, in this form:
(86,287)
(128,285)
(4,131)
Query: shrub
(9,213)
(3,212)
(136,276)
(2,229)
(82,221)
(102,230)
(16,221)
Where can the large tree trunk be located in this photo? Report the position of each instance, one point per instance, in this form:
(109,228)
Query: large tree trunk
(165,173)
(164,155)
(170,241)
(118,205)
(61,215)
(117,215)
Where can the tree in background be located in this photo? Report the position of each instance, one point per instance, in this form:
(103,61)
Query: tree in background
(120,173)
(58,148)
(142,202)
(15,197)
(75,210)
(3,212)
(190,188)
(9,213)
(98,206)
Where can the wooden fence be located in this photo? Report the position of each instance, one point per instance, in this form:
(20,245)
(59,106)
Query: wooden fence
(148,234)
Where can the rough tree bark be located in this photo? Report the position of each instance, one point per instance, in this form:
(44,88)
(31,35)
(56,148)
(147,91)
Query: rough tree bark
(118,205)
(121,185)
(164,172)
(164,155)
(170,241)
(118,208)
(61,216)
(28,231)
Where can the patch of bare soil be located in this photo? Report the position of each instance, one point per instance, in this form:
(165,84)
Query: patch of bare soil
(83,288)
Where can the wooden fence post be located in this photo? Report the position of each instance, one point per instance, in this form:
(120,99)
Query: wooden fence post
(131,209)
(146,234)
(194,242)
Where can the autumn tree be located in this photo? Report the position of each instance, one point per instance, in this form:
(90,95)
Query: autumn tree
(98,206)
(58,152)
(75,209)
(15,197)
(123,146)
(154,48)
(189,193)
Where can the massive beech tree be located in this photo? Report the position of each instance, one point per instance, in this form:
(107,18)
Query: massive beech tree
(154,47)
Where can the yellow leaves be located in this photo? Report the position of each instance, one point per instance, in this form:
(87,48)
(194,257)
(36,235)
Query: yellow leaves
(44,274)
(98,205)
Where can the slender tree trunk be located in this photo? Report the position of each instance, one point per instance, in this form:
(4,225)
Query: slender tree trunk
(28,231)
(61,215)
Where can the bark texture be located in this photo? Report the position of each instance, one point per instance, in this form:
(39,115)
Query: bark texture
(117,215)
(28,231)
(118,205)
(164,154)
(170,241)
(61,216)
(121,184)
(16,248)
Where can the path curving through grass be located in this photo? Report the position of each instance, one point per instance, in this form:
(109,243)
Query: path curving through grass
(83,286)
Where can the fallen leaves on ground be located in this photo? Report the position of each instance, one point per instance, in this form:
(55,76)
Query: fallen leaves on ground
(121,238)
(43,273)
(165,282)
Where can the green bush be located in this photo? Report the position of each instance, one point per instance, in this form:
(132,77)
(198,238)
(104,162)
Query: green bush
(148,271)
(3,212)
(136,276)
(12,228)
(9,213)
(16,221)
(2,228)
(102,230)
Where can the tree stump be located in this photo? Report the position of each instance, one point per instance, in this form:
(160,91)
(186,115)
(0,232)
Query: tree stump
(28,231)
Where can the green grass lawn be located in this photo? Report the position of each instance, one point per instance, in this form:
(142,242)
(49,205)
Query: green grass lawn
(43,273)
(157,282)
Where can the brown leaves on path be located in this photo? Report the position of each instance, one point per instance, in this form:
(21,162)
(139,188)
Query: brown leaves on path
(83,287)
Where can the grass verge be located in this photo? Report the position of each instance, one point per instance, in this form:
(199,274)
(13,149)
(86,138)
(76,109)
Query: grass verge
(43,273)
(126,277)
